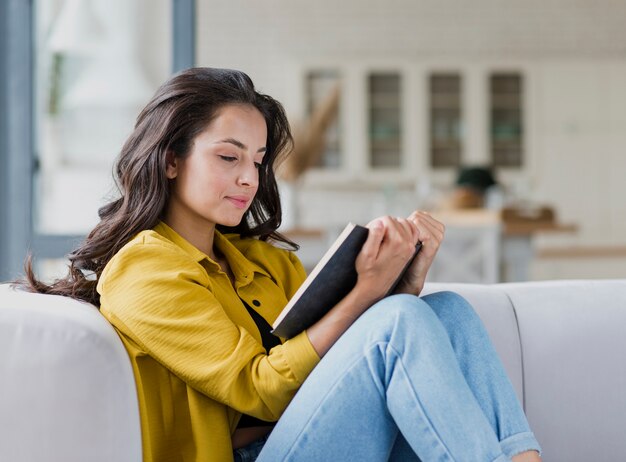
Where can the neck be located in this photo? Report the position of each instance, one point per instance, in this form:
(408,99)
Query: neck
(200,234)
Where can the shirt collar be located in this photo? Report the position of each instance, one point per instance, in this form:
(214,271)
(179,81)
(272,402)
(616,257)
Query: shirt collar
(242,267)
(167,232)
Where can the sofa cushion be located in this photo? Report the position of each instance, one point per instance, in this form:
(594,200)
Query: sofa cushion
(574,354)
(567,363)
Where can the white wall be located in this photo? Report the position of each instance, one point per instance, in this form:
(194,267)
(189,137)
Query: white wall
(260,37)
(582,145)
(573,54)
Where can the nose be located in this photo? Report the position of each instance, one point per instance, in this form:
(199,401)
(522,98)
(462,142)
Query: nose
(249,175)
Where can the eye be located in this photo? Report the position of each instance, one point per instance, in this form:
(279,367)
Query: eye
(258,165)
(228,158)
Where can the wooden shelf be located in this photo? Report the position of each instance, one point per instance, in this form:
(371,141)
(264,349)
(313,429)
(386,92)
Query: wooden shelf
(526,228)
(485,217)
(583,252)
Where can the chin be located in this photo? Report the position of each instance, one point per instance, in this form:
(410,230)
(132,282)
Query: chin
(231,222)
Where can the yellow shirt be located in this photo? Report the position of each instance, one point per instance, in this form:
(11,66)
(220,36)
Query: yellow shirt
(196,353)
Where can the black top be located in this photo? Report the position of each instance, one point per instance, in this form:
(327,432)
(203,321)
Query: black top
(269,341)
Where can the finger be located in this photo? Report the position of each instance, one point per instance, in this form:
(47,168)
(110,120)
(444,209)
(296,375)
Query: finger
(399,231)
(424,220)
(406,237)
(435,233)
(419,215)
(391,227)
(415,234)
(374,238)
(374,222)
(430,219)
(411,232)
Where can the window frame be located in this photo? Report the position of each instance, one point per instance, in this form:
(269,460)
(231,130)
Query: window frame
(17,147)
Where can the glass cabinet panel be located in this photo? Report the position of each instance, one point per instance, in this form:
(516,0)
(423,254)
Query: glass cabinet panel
(323,92)
(385,127)
(506,123)
(445,120)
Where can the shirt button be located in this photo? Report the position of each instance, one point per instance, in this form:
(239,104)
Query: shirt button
(256,303)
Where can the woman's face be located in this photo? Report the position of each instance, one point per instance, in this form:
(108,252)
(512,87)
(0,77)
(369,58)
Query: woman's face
(216,182)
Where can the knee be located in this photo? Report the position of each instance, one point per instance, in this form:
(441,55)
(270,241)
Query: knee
(402,322)
(402,311)
(400,304)
(453,310)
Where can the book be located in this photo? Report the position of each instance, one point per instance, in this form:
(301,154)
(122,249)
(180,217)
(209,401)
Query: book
(330,281)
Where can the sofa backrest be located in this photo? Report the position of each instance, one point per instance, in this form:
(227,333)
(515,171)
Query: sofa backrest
(563,344)
(67,391)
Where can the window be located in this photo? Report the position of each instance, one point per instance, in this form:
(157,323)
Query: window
(63,83)
(445,120)
(385,126)
(506,124)
(95,68)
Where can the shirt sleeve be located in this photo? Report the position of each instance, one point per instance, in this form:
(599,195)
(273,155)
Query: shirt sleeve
(162,299)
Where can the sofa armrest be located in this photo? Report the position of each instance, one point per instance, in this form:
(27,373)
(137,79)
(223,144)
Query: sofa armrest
(67,391)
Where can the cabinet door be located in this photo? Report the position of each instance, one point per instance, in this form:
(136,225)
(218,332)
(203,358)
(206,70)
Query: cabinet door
(385,124)
(323,90)
(506,119)
(446,144)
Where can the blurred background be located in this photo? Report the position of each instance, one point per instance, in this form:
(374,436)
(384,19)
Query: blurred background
(505,118)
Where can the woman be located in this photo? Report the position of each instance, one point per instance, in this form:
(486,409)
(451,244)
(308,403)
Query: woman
(184,267)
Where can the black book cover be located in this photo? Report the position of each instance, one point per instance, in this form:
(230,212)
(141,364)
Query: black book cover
(329,282)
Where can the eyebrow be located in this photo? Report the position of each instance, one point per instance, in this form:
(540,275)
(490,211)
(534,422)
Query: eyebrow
(239,144)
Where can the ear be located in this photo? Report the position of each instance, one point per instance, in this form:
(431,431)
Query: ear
(171,165)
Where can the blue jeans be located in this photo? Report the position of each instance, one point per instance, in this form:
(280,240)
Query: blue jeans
(250,452)
(412,379)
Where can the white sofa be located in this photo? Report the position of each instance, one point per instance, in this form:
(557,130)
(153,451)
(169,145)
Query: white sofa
(67,392)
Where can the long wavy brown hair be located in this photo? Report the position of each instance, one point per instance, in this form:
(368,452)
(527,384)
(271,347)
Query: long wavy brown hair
(180,110)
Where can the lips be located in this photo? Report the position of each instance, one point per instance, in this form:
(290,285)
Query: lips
(241,202)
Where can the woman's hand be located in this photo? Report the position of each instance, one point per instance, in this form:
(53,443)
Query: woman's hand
(430,233)
(389,247)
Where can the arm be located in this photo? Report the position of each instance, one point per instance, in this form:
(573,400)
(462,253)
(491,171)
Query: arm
(389,246)
(167,304)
